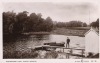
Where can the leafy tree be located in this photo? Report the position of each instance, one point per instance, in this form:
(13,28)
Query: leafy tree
(95,24)
(33,22)
(19,25)
(9,18)
(49,24)
(84,25)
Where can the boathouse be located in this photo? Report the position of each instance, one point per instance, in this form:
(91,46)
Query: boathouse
(92,41)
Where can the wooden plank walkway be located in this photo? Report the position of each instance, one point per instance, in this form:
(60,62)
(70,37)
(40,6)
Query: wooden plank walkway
(62,49)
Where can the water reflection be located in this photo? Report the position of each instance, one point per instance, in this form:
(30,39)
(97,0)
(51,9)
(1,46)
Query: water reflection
(23,44)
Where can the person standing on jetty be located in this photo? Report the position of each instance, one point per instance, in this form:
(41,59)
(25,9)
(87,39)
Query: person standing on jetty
(68,41)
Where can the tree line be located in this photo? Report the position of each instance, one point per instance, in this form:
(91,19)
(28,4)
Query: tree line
(71,24)
(76,24)
(16,23)
(95,23)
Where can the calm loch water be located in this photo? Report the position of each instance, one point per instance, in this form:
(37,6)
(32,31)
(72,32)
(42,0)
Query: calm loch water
(24,43)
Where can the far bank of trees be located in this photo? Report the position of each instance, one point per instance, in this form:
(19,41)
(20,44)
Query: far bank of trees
(95,23)
(18,23)
(76,24)
(71,24)
(24,22)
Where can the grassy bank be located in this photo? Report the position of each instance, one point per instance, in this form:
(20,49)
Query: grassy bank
(31,33)
(70,31)
(73,31)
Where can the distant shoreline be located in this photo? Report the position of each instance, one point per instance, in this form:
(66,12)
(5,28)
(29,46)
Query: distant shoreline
(62,31)
(59,31)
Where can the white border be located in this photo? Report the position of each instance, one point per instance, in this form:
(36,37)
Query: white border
(44,60)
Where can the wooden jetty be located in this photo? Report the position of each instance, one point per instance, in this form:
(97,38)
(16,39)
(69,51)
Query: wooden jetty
(46,47)
(54,44)
(61,49)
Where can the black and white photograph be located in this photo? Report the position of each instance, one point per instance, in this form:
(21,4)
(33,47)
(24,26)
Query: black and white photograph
(50,30)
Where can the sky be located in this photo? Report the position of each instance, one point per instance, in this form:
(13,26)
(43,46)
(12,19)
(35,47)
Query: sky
(60,12)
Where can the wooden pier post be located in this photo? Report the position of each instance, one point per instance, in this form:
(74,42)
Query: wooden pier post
(71,51)
(82,52)
(63,49)
(42,47)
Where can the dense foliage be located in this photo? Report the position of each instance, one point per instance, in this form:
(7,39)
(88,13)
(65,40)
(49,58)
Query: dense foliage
(22,22)
(95,23)
(71,24)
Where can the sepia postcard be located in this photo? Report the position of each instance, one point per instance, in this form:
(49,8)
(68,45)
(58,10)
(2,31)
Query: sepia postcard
(50,31)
